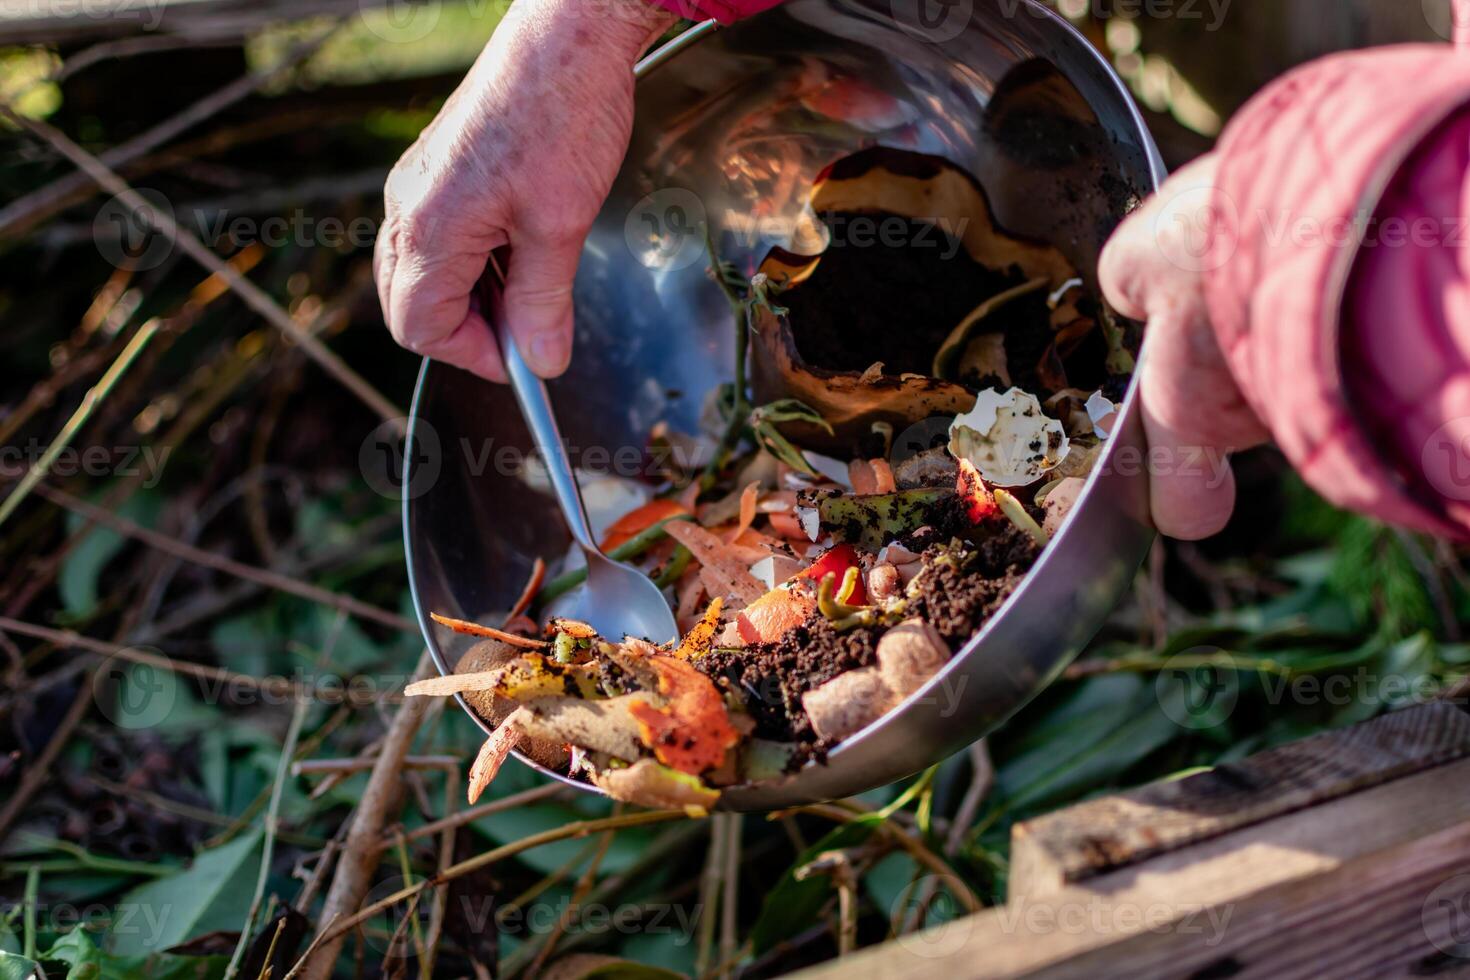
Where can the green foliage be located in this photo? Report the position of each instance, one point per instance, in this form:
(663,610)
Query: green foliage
(211,894)
(81,572)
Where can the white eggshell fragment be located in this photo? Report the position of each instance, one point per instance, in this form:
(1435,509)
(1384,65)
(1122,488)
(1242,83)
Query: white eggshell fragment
(1008,438)
(1103,414)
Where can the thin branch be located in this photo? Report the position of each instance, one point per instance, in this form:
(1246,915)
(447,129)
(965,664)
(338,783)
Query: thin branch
(729,900)
(709,894)
(79,418)
(316,767)
(69,639)
(360,855)
(273,819)
(581,828)
(24,214)
(240,570)
(36,774)
(253,296)
(910,843)
(537,794)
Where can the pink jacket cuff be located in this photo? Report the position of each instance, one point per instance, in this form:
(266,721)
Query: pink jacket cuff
(723,11)
(1355,353)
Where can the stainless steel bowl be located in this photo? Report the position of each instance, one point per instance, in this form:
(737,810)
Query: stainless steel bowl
(733,124)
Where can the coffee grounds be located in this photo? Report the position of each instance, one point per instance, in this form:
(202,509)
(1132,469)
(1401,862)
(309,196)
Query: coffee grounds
(957,602)
(893,295)
(771,677)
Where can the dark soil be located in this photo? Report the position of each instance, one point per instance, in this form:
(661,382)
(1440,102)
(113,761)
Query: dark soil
(889,289)
(772,677)
(958,602)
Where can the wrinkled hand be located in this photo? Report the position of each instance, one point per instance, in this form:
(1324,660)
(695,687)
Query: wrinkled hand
(523,154)
(1193,412)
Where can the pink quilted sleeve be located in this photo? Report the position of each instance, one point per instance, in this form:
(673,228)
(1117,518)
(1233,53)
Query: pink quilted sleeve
(723,11)
(1406,323)
(1350,337)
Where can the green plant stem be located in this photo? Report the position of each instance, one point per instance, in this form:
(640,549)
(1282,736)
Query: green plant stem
(627,551)
(93,862)
(678,562)
(739,404)
(272,822)
(91,401)
(33,890)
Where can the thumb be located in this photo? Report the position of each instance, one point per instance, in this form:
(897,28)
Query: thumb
(538,300)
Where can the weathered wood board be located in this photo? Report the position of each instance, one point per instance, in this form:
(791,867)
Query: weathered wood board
(1356,862)
(1109,833)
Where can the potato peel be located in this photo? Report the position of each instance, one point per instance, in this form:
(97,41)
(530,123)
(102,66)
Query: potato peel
(493,753)
(485,680)
(488,632)
(722,572)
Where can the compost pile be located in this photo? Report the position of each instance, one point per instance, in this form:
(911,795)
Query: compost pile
(907,425)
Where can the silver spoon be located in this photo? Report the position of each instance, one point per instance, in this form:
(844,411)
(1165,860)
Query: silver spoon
(616,600)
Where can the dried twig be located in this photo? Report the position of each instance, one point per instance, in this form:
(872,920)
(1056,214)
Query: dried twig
(360,853)
(579,894)
(94,397)
(910,843)
(72,640)
(24,214)
(317,767)
(729,900)
(709,894)
(253,296)
(272,826)
(581,828)
(36,774)
(838,866)
(528,797)
(208,559)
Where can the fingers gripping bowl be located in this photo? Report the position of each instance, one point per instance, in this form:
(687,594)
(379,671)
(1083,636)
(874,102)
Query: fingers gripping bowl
(733,129)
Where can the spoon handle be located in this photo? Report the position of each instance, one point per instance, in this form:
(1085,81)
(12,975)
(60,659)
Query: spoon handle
(535,402)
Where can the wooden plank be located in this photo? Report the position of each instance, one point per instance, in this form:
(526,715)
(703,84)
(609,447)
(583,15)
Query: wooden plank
(1096,837)
(1187,893)
(1402,912)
